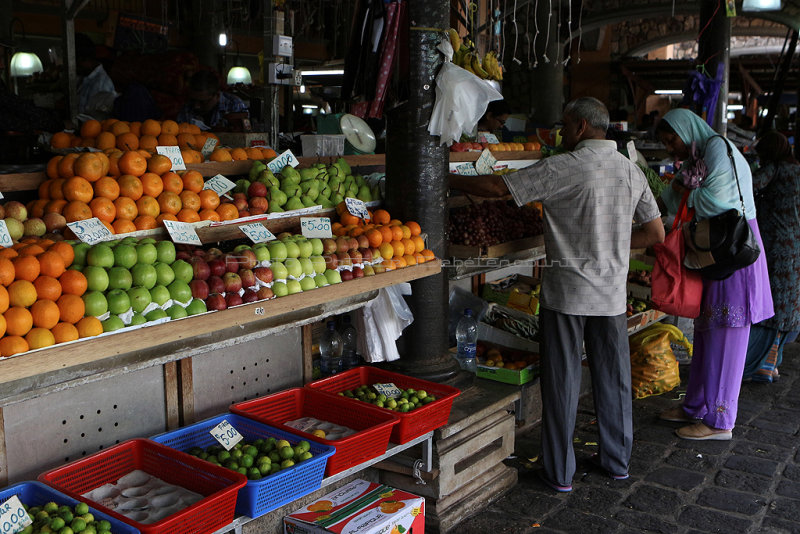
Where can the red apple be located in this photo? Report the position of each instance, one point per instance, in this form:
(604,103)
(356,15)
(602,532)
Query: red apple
(233,282)
(344,258)
(217,266)
(328,246)
(366,254)
(199,252)
(199,289)
(240,203)
(233,262)
(233,299)
(342,244)
(216,301)
(257,189)
(215,284)
(213,253)
(247,258)
(331,261)
(265,293)
(355,256)
(363,242)
(244,213)
(183,255)
(264,274)
(346,275)
(249,296)
(353,243)
(248,278)
(358,272)
(200,268)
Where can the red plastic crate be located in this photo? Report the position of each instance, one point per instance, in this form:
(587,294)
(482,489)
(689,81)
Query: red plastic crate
(412,424)
(373,425)
(218,485)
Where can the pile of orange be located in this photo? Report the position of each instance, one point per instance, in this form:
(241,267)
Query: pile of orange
(399,243)
(40,298)
(506,147)
(127,192)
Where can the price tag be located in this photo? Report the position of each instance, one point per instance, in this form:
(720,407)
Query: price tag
(90,231)
(13,517)
(315,227)
(1,196)
(174,154)
(356,207)
(219,184)
(631,151)
(226,434)
(208,147)
(486,137)
(466,169)
(182,232)
(5,237)
(390,390)
(257,232)
(485,162)
(287,158)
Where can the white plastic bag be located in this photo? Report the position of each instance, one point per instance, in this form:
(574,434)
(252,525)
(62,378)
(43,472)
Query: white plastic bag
(381,322)
(461,100)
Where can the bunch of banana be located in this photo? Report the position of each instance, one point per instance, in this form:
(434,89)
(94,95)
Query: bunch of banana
(491,66)
(466,57)
(455,39)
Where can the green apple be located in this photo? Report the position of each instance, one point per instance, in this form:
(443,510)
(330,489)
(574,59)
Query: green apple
(112,323)
(183,270)
(80,249)
(156,314)
(96,278)
(293,286)
(130,240)
(164,273)
(95,303)
(176,311)
(308,266)
(293,267)
(180,291)
(333,276)
(196,306)
(144,274)
(279,270)
(165,251)
(147,241)
(125,255)
(100,255)
(159,294)
(316,246)
(321,281)
(146,253)
(262,251)
(306,248)
(318,262)
(292,249)
(137,319)
(277,250)
(118,301)
(140,298)
(280,289)
(307,283)
(119,278)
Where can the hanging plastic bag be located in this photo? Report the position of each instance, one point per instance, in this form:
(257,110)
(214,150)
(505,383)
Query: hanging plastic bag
(654,369)
(461,99)
(381,322)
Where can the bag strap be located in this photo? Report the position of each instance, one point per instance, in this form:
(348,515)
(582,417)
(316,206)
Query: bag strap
(733,164)
(682,216)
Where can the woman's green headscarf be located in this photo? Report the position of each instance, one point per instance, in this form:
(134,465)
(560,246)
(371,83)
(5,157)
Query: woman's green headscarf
(690,127)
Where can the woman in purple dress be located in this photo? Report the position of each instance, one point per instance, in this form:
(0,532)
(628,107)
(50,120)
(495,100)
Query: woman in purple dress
(729,306)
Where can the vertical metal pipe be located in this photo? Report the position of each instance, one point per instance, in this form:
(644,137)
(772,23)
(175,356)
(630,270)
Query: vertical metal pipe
(714,49)
(416,189)
(71,89)
(270,111)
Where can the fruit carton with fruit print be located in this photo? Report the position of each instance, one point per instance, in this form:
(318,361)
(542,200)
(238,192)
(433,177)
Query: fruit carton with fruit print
(360,507)
(502,364)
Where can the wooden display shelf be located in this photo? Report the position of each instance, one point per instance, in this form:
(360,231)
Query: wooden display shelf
(29,373)
(495,251)
(505,155)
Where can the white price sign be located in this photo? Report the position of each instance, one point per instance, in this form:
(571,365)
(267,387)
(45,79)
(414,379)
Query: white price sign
(486,137)
(182,232)
(257,232)
(356,207)
(631,151)
(390,390)
(5,237)
(90,231)
(466,169)
(316,227)
(174,154)
(13,517)
(485,162)
(287,158)
(226,434)
(219,184)
(208,147)
(1,196)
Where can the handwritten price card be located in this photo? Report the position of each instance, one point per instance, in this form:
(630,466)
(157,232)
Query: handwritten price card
(257,232)
(5,237)
(182,232)
(13,517)
(208,147)
(315,227)
(226,434)
(287,158)
(90,231)
(466,169)
(219,184)
(174,155)
(356,207)
(485,162)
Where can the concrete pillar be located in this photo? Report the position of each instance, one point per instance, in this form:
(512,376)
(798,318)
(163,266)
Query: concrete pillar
(416,189)
(546,82)
(714,50)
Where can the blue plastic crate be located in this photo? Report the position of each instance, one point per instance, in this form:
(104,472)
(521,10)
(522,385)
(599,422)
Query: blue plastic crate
(270,492)
(36,494)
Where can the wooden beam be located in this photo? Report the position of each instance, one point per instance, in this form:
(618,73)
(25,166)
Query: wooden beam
(186,392)
(3,456)
(171,400)
(308,364)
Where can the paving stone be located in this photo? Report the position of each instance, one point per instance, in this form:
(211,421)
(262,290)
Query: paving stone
(707,520)
(527,501)
(774,425)
(792,472)
(654,499)
(655,433)
(731,501)
(788,488)
(645,522)
(693,461)
(786,509)
(647,453)
(772,525)
(572,520)
(704,447)
(776,438)
(761,449)
(593,498)
(676,478)
(493,521)
(748,464)
(742,481)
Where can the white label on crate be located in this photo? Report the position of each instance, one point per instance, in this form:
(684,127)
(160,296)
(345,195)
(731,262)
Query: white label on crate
(219,184)
(316,227)
(466,169)
(356,207)
(174,154)
(13,517)
(287,158)
(390,390)
(1,196)
(485,162)
(631,151)
(486,137)
(5,237)
(226,434)
(257,232)
(182,232)
(208,147)
(90,231)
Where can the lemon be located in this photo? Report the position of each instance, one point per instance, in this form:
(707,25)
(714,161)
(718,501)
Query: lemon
(282,443)
(286,453)
(318,432)
(78,524)
(50,507)
(81,508)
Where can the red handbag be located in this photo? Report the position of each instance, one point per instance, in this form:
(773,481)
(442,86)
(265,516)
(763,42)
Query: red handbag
(675,290)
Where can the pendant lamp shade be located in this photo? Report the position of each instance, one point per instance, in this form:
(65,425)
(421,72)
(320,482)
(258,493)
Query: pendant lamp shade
(239,75)
(25,64)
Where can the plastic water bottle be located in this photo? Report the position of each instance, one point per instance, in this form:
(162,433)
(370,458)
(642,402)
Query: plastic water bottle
(466,339)
(330,351)
(350,357)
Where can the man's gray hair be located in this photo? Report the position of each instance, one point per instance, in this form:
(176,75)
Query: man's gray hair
(590,109)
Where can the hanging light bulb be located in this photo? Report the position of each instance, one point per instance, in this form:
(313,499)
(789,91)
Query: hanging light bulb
(302,89)
(239,75)
(25,64)
(223,39)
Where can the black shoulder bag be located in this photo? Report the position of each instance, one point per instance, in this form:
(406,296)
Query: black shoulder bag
(721,245)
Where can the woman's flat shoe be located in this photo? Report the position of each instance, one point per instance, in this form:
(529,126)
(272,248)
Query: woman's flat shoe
(703,432)
(676,415)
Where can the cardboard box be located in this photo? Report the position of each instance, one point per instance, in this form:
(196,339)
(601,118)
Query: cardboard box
(360,507)
(513,291)
(502,374)
(243,139)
